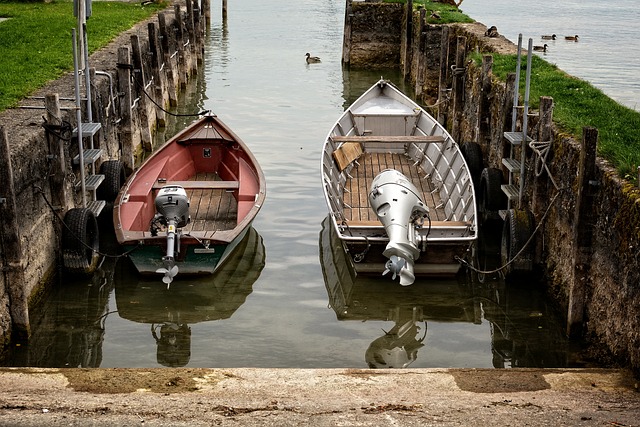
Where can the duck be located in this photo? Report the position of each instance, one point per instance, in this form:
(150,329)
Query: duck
(312,59)
(492,32)
(548,37)
(571,38)
(540,48)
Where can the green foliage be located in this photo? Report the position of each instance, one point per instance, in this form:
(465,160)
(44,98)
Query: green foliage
(578,104)
(37,45)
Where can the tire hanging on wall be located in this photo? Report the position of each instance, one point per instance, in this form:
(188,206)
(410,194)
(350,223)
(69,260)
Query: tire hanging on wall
(472,154)
(114,177)
(80,242)
(491,198)
(519,225)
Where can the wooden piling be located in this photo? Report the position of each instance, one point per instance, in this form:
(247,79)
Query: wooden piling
(13,266)
(420,57)
(167,60)
(457,86)
(140,91)
(443,89)
(484,110)
(59,190)
(407,40)
(182,77)
(346,39)
(224,10)
(158,77)
(124,89)
(582,230)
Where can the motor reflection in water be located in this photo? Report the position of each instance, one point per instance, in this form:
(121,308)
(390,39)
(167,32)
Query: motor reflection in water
(70,329)
(524,331)
(169,312)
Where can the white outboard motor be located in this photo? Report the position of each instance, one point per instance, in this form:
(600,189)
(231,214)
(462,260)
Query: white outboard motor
(172,210)
(400,210)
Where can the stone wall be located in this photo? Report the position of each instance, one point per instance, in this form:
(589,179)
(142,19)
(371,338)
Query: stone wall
(126,75)
(600,281)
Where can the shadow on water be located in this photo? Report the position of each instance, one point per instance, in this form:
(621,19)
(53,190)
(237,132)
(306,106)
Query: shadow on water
(69,330)
(525,331)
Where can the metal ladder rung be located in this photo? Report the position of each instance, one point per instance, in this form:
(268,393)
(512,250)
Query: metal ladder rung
(88,129)
(91,182)
(90,156)
(96,206)
(515,138)
(512,192)
(511,164)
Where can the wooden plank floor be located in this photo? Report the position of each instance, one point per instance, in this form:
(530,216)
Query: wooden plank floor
(370,165)
(211,209)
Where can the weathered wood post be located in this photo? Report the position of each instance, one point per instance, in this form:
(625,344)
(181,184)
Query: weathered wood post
(182,78)
(443,90)
(158,81)
(420,56)
(582,230)
(141,84)
(193,67)
(126,125)
(13,267)
(59,191)
(206,11)
(167,60)
(407,40)
(484,110)
(457,86)
(224,10)
(346,37)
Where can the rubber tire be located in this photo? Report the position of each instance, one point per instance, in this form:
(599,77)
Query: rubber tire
(114,177)
(80,242)
(519,225)
(472,154)
(491,198)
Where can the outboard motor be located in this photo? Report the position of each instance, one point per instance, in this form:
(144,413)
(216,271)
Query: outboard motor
(172,210)
(400,210)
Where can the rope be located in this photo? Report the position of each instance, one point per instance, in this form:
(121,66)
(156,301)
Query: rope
(55,214)
(515,257)
(142,88)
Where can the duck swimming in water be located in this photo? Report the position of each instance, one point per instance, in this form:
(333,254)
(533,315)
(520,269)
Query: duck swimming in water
(540,48)
(312,59)
(571,38)
(549,37)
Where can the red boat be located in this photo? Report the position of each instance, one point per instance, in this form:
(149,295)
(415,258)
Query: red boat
(191,202)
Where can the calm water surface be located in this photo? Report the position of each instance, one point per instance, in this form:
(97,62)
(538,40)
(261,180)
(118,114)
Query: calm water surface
(287,302)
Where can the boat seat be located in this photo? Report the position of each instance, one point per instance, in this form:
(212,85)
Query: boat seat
(398,139)
(347,153)
(434,224)
(200,185)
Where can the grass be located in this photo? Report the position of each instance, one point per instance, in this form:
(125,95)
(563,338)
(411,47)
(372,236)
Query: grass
(578,104)
(36,40)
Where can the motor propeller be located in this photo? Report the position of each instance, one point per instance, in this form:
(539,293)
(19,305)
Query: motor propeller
(169,274)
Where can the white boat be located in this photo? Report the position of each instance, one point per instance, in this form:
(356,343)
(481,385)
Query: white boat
(399,191)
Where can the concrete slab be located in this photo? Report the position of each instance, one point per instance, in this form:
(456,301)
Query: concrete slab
(346,397)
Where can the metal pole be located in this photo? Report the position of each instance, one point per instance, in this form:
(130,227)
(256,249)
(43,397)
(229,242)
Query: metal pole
(76,79)
(525,115)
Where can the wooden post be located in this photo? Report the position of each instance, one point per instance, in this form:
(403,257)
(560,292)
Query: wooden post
(167,60)
(443,89)
(206,11)
(56,148)
(457,87)
(124,89)
(421,55)
(224,10)
(180,48)
(407,40)
(155,72)
(140,83)
(484,112)
(13,266)
(346,37)
(582,231)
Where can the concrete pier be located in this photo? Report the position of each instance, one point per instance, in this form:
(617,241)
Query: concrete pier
(326,397)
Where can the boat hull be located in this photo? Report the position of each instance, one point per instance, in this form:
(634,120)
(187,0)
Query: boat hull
(384,129)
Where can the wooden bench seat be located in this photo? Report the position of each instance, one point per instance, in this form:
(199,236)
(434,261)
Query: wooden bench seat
(376,223)
(200,185)
(396,139)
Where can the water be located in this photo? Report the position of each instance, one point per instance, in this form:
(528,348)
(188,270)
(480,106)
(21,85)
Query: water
(607,53)
(280,308)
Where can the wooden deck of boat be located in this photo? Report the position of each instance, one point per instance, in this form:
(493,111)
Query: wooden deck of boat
(211,209)
(369,166)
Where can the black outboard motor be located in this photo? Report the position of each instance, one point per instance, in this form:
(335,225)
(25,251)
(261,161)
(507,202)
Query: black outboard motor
(172,210)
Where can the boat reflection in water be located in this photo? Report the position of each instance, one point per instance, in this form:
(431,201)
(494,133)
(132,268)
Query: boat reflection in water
(169,312)
(524,332)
